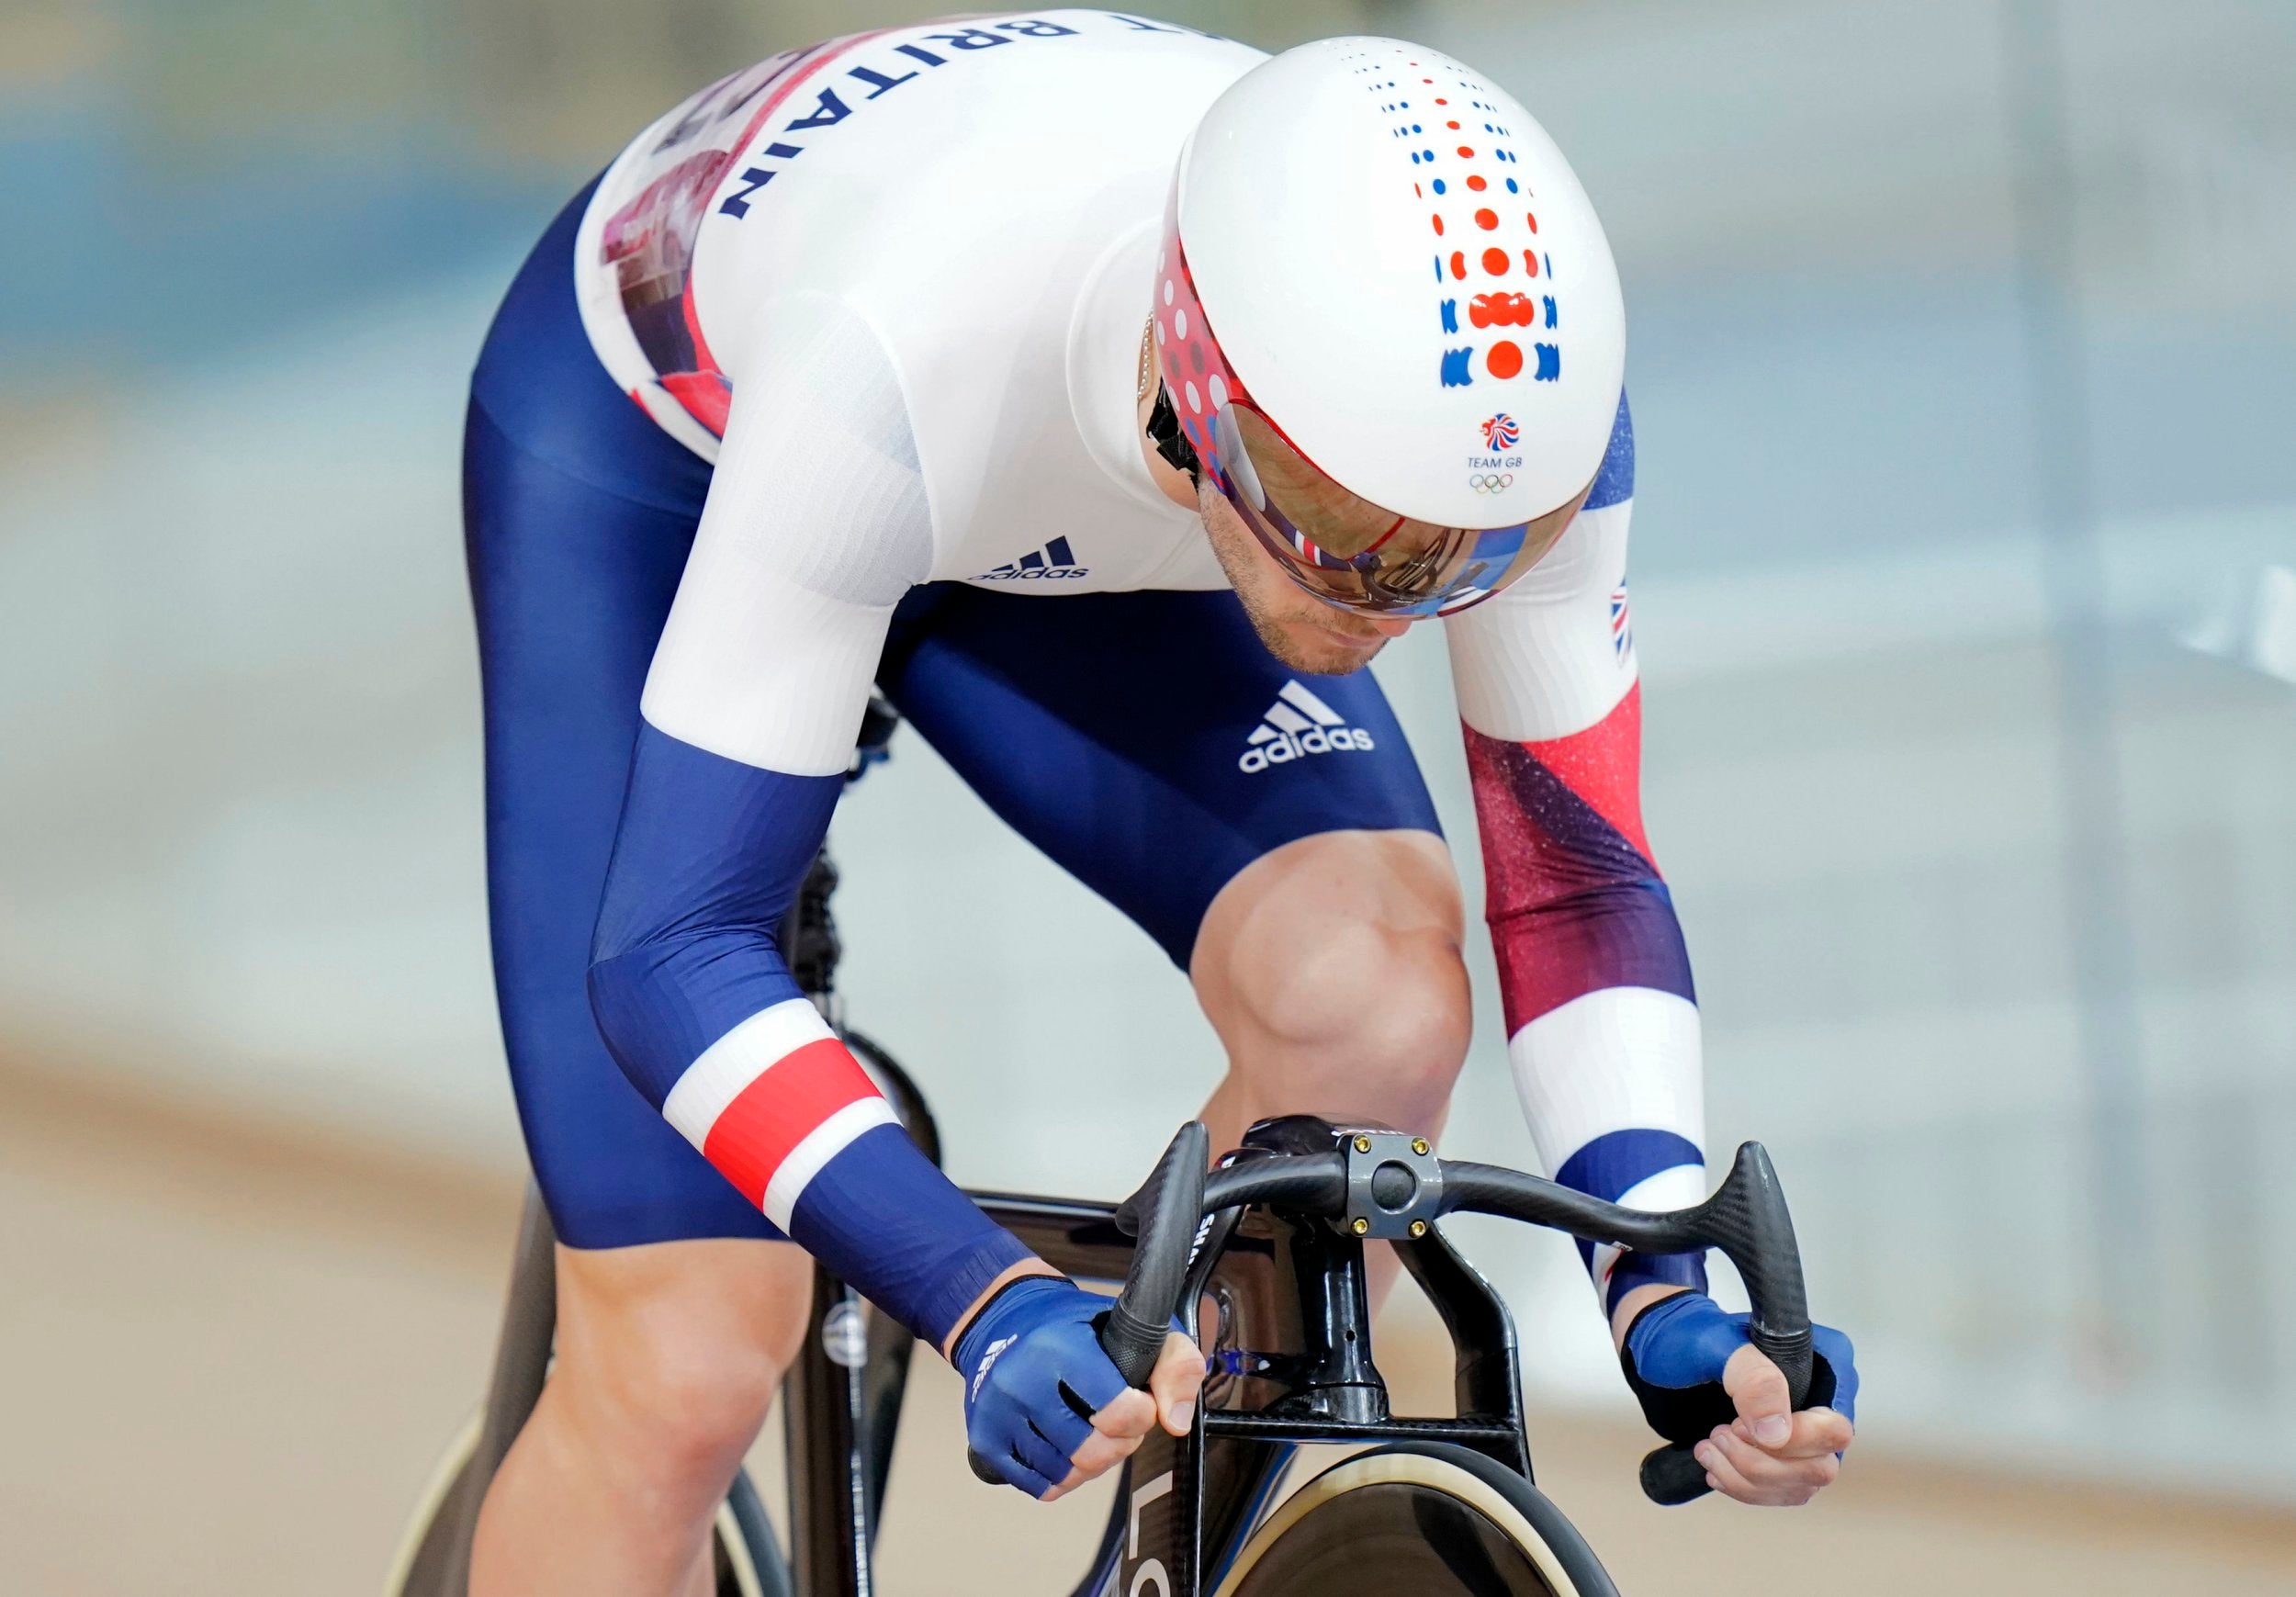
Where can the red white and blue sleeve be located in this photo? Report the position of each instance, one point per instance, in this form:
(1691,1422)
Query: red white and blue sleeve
(816,523)
(1602,1019)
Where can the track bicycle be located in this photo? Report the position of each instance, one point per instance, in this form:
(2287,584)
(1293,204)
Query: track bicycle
(1270,1241)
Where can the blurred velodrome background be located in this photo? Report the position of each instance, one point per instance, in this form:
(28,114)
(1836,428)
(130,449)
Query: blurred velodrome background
(1964,361)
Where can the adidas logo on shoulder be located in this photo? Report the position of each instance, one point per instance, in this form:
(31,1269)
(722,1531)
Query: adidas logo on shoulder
(1295,725)
(1053,563)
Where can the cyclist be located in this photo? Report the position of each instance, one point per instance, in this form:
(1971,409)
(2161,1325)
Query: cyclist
(911,359)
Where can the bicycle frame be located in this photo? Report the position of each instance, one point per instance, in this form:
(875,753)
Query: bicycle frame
(1292,1363)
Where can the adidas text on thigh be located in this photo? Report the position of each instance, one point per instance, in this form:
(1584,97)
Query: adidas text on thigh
(1289,746)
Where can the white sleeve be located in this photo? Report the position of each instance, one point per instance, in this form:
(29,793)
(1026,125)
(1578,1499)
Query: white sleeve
(1603,1026)
(1550,654)
(816,523)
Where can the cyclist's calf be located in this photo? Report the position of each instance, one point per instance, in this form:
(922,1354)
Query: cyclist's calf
(681,1340)
(668,1357)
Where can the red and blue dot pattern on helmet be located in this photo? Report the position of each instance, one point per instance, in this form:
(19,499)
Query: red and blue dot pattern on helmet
(1206,393)
(1493,276)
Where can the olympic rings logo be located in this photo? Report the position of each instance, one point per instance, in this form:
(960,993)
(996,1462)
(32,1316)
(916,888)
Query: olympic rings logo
(1491,481)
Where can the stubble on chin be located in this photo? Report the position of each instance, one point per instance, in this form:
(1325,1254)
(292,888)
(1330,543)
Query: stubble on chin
(1312,656)
(1286,628)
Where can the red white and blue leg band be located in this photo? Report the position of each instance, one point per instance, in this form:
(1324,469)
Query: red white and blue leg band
(773,1101)
(783,1110)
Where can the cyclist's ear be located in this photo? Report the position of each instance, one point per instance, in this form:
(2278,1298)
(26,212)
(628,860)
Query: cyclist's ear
(1176,1379)
(1757,1390)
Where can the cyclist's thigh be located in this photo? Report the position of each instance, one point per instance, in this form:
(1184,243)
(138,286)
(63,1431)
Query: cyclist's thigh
(578,517)
(1147,741)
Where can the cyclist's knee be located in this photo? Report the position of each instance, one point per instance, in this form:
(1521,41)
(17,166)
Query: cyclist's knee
(1333,968)
(673,1352)
(1377,1022)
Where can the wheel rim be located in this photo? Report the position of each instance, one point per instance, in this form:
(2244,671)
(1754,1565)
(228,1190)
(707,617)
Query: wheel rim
(1392,1523)
(737,1570)
(735,1567)
(446,1474)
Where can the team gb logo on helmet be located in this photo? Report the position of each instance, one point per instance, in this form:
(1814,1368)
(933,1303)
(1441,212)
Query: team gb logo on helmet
(1500,433)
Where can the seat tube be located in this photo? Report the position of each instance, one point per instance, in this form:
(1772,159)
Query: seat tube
(826,1431)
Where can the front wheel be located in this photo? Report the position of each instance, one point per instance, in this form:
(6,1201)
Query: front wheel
(1421,1518)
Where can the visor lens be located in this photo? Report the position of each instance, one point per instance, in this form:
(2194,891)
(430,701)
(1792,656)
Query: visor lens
(1348,551)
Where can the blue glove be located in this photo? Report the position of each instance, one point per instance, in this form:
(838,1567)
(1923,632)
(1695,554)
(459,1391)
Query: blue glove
(1673,1358)
(1034,1376)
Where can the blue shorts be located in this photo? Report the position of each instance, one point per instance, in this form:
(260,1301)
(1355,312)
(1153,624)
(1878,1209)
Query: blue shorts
(1145,741)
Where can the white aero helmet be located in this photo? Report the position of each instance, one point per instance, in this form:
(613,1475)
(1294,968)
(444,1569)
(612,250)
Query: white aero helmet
(1389,324)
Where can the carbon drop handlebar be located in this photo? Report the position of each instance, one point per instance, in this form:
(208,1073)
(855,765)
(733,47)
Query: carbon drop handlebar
(1746,1217)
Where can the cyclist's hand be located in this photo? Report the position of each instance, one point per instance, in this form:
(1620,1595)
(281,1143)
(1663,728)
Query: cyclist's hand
(1701,1381)
(1043,1402)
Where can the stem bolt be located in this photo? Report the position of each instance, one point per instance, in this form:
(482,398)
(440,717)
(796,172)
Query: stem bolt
(1361,1225)
(1363,1144)
(1419,1228)
(1419,1145)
